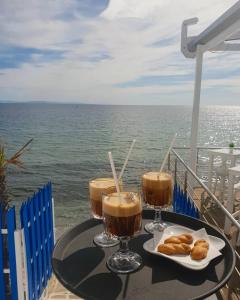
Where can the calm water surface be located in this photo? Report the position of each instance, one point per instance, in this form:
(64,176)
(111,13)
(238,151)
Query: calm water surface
(71,143)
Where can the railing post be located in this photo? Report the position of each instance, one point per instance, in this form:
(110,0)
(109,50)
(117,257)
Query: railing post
(196,105)
(185,182)
(197,161)
(175,171)
(169,161)
(201,203)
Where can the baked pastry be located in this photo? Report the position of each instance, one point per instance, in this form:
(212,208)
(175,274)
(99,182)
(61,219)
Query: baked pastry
(178,239)
(202,243)
(171,249)
(200,250)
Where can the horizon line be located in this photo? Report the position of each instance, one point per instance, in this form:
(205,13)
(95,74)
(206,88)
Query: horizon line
(102,104)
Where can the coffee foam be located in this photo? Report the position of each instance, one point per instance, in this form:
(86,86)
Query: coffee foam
(100,186)
(156,179)
(129,204)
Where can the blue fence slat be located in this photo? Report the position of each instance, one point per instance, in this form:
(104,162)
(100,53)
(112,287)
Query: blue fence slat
(39,243)
(48,230)
(185,203)
(2,277)
(24,225)
(51,222)
(189,207)
(43,237)
(11,226)
(193,211)
(49,187)
(43,253)
(181,206)
(33,248)
(179,200)
(175,207)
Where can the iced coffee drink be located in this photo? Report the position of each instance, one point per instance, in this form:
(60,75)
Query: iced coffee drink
(157,189)
(122,215)
(97,188)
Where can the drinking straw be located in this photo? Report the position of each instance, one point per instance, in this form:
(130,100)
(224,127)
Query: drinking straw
(114,172)
(126,160)
(169,149)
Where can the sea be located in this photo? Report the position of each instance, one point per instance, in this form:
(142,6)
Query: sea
(71,142)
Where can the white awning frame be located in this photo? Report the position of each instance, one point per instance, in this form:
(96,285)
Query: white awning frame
(219,36)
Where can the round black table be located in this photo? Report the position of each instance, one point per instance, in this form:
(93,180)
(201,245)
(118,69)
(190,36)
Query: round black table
(81,266)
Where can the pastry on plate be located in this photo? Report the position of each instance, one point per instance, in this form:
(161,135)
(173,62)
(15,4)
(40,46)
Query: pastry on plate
(200,250)
(171,249)
(179,239)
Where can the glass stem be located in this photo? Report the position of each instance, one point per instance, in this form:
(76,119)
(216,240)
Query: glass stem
(158,216)
(124,245)
(105,233)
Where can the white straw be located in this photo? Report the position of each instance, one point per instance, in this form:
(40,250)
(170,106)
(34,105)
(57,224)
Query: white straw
(126,160)
(114,173)
(166,156)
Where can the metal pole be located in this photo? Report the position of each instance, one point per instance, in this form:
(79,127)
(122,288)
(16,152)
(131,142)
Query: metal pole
(185,182)
(195,111)
(175,171)
(169,161)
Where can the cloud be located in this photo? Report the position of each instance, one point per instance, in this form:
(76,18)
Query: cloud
(122,51)
(96,57)
(13,57)
(156,80)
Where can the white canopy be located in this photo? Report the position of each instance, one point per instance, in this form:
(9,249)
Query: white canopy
(219,36)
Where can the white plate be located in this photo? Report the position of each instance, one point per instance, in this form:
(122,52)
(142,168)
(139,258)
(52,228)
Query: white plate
(215,245)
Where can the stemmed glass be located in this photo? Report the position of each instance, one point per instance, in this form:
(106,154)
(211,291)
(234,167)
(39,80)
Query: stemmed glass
(157,188)
(97,189)
(122,215)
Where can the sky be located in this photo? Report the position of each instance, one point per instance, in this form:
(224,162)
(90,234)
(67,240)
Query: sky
(110,52)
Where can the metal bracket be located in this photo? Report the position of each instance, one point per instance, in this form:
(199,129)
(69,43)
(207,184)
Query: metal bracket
(185,39)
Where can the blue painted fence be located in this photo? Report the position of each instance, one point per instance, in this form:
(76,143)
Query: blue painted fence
(183,204)
(37,228)
(37,223)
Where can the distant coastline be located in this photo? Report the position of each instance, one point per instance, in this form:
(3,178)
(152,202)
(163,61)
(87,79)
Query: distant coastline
(103,104)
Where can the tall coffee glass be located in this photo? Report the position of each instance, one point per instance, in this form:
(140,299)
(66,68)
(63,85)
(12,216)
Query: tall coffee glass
(157,188)
(97,189)
(122,215)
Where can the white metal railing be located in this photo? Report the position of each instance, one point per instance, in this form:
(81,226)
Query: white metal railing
(208,204)
(206,189)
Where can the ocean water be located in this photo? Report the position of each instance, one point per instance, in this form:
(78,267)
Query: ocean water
(71,142)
